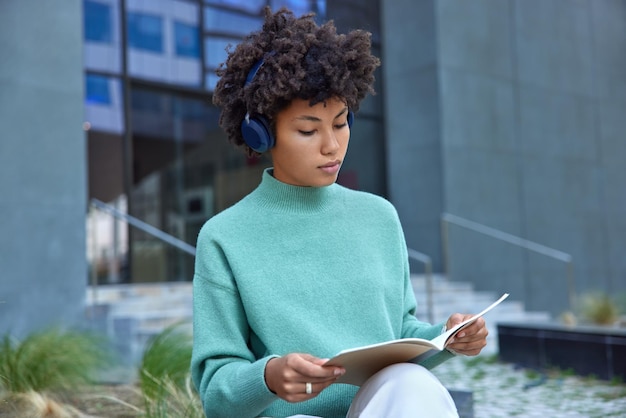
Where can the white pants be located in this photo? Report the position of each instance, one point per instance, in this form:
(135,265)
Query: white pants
(402,390)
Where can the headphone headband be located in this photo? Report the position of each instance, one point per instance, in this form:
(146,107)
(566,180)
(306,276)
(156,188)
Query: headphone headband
(255,68)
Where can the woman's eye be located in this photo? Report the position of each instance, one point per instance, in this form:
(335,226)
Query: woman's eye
(306,133)
(341,125)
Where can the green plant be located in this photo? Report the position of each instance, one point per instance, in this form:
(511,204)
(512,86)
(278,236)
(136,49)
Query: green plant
(620,301)
(599,308)
(479,374)
(482,359)
(532,374)
(612,395)
(174,400)
(568,318)
(164,376)
(167,357)
(49,360)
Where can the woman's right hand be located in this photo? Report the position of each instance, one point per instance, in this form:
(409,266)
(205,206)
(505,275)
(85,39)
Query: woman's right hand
(288,376)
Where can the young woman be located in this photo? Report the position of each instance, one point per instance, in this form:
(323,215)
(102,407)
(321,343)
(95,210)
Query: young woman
(303,268)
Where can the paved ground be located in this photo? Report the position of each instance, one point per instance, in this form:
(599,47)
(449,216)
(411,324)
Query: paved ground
(501,390)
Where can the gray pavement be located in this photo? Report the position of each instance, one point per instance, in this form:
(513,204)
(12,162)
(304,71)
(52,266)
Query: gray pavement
(502,390)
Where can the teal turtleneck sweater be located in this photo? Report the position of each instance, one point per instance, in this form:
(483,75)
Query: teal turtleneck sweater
(296,269)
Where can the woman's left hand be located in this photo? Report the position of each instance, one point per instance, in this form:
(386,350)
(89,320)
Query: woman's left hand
(471,339)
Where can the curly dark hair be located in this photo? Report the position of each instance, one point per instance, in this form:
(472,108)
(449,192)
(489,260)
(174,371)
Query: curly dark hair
(301,60)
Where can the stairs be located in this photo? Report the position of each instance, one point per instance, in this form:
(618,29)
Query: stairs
(131,314)
(451,297)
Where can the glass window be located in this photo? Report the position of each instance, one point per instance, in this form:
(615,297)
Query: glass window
(145,32)
(215,50)
(97,89)
(211,80)
(148,101)
(177,152)
(252,6)
(321,8)
(187,39)
(194,110)
(97,22)
(300,7)
(224,21)
(161,116)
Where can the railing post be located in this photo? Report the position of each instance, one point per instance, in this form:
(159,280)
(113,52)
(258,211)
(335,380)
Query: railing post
(444,246)
(428,268)
(428,272)
(571,285)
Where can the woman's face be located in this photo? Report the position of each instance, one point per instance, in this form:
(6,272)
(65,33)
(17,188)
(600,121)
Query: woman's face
(311,142)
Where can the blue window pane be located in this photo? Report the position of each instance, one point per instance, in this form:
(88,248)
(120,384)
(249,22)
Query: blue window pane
(149,101)
(300,7)
(97,22)
(321,8)
(252,6)
(145,32)
(187,40)
(192,109)
(230,22)
(215,50)
(211,80)
(97,89)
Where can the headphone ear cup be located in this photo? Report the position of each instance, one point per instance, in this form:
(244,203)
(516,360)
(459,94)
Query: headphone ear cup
(257,133)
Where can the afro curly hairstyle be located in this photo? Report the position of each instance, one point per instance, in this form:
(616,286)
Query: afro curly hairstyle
(301,60)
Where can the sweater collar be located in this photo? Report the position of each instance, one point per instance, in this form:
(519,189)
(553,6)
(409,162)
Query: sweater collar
(279,196)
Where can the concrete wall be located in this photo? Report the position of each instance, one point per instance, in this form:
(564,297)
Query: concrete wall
(481,142)
(530,106)
(42,165)
(412,120)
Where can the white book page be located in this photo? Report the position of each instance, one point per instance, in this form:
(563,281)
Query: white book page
(442,340)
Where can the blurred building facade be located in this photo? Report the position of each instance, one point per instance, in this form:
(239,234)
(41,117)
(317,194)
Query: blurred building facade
(511,114)
(506,113)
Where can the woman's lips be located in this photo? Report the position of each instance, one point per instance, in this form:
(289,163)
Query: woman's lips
(331,167)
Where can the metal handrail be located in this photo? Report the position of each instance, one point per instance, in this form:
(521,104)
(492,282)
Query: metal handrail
(139,224)
(428,272)
(447,218)
(145,227)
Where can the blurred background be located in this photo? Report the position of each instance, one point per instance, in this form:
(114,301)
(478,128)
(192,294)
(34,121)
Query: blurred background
(498,131)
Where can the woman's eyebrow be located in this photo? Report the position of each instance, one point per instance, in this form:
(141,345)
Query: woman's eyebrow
(316,119)
(308,117)
(344,110)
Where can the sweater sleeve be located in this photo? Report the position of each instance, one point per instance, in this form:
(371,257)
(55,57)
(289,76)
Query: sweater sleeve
(230,381)
(411,326)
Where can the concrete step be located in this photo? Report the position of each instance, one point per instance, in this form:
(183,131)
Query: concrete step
(125,292)
(449,297)
(130,315)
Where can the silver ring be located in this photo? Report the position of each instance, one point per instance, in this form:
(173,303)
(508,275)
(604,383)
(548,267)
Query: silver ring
(308,388)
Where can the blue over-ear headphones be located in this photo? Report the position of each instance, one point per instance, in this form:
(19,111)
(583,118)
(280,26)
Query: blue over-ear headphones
(256,131)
